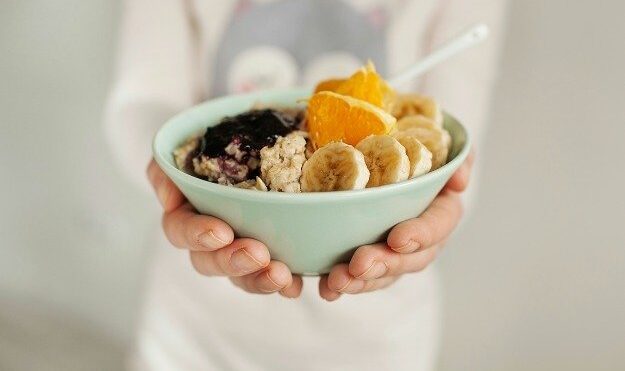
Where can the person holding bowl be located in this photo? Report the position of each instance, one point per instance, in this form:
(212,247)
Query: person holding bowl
(176,53)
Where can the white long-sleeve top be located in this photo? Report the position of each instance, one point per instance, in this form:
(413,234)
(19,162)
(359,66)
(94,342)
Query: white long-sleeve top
(176,53)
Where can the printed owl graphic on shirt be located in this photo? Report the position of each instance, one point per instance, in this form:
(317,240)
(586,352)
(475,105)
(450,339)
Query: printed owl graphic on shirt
(283,43)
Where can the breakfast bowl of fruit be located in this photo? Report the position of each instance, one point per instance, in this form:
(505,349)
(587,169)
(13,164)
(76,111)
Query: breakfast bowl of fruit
(313,174)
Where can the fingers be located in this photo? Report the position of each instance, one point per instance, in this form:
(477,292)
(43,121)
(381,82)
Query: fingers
(276,277)
(182,225)
(167,193)
(325,292)
(376,266)
(340,281)
(213,248)
(435,224)
(187,229)
(371,262)
(372,267)
(460,180)
(240,258)
(294,290)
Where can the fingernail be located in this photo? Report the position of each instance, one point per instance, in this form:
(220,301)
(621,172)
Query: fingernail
(210,241)
(352,286)
(275,288)
(376,270)
(410,246)
(242,261)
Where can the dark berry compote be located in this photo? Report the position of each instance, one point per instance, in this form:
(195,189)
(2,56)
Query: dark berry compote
(229,152)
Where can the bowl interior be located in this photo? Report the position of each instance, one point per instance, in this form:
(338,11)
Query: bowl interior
(195,120)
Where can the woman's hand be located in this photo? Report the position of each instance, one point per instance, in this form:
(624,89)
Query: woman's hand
(212,247)
(410,247)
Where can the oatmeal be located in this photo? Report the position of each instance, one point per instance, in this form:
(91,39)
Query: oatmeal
(229,153)
(281,164)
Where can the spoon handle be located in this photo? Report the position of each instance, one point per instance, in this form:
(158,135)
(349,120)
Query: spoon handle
(467,39)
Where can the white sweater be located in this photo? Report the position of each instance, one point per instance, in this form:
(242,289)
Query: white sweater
(176,53)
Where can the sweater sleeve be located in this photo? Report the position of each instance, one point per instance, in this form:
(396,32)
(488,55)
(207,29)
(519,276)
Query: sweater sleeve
(155,78)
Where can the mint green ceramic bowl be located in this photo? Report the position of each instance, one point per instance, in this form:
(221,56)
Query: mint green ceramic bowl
(310,232)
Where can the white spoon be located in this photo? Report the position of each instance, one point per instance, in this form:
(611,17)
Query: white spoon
(467,39)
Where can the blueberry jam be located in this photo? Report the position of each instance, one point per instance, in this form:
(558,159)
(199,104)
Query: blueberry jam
(251,130)
(229,152)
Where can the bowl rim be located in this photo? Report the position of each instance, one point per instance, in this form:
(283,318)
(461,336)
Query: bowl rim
(306,197)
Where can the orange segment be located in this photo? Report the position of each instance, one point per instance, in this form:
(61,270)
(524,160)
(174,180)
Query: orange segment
(329,85)
(367,85)
(332,117)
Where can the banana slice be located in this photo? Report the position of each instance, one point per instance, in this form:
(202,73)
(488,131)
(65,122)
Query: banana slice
(415,121)
(437,141)
(420,157)
(334,167)
(414,104)
(418,121)
(386,160)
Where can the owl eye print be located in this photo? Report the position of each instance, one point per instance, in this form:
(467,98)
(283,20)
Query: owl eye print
(262,67)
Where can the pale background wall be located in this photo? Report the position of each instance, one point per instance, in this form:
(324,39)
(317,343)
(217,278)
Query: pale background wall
(535,280)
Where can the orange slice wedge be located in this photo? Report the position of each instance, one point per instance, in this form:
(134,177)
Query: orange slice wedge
(333,117)
(367,85)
